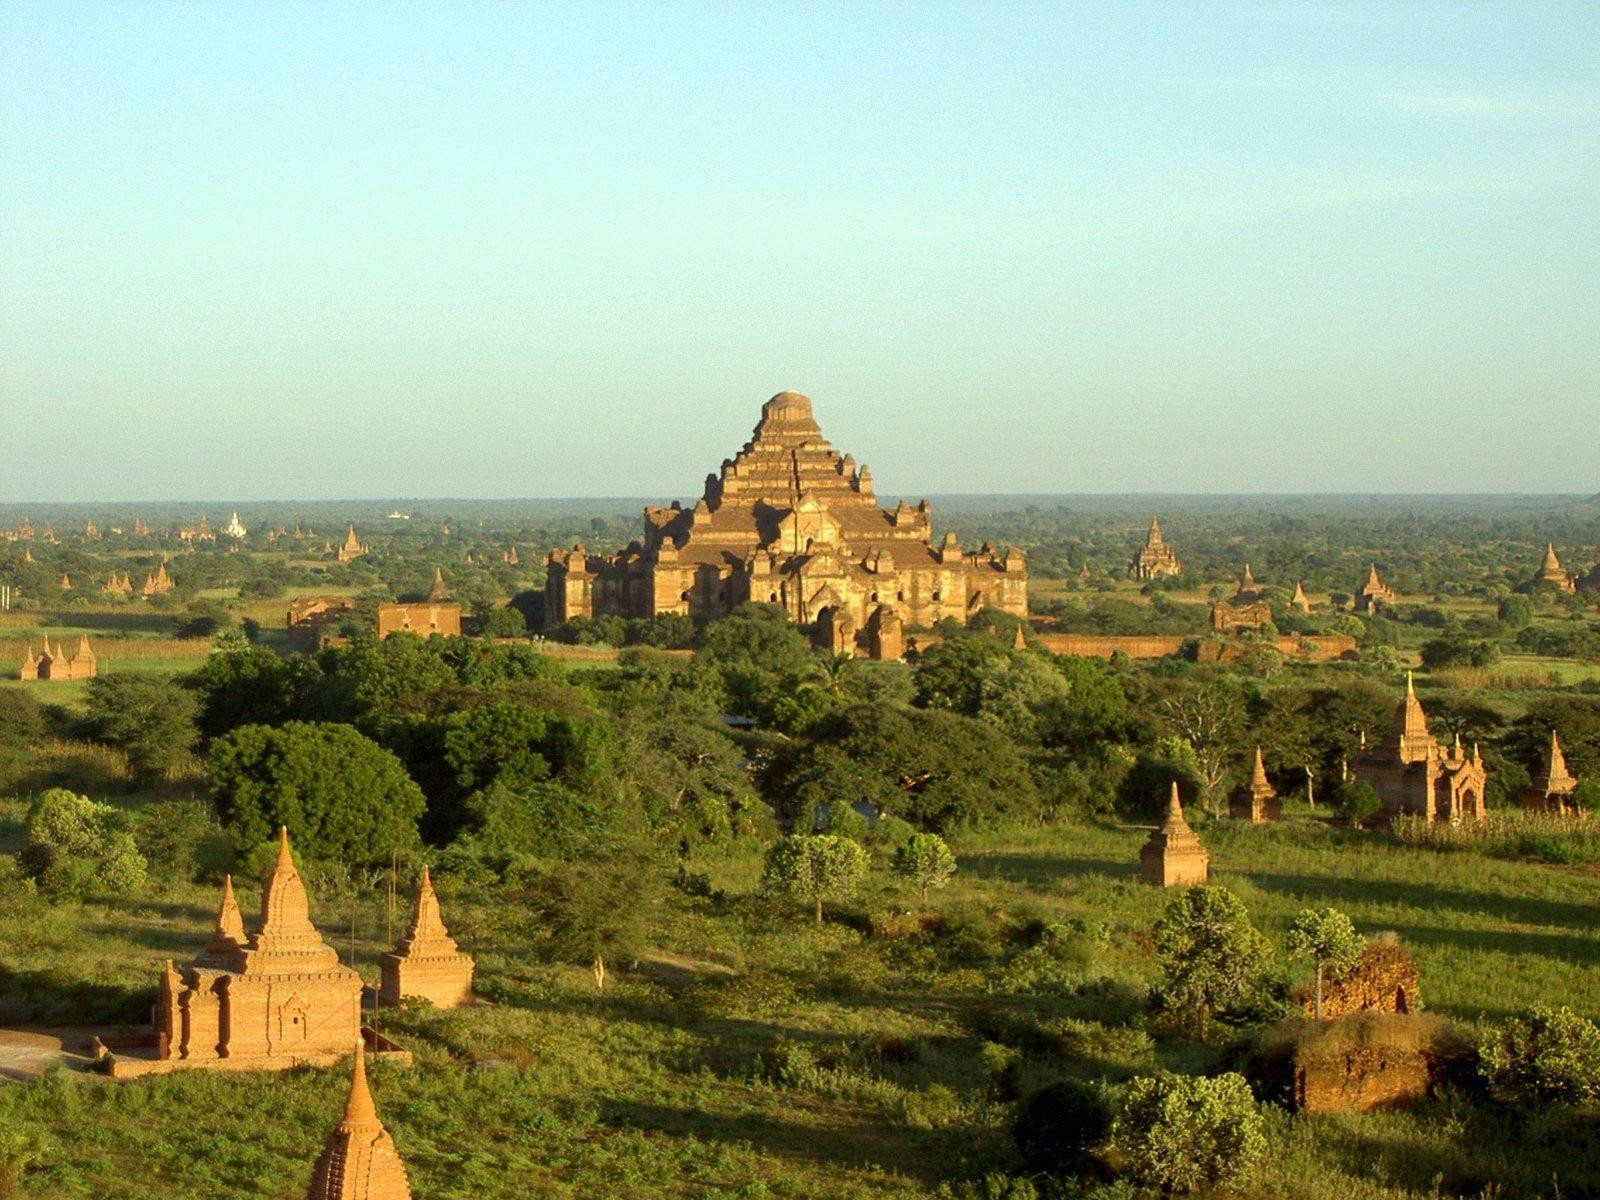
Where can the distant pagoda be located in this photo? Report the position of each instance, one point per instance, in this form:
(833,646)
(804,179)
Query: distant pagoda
(1374,594)
(1156,559)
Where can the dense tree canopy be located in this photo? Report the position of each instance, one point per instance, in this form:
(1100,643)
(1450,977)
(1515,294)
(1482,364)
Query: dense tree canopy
(341,795)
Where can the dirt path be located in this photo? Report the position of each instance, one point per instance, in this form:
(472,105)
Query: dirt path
(29,1053)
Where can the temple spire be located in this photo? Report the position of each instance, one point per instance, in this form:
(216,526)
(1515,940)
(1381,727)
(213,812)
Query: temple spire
(359,1161)
(1258,773)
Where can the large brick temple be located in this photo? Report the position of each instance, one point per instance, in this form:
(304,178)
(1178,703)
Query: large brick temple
(791,521)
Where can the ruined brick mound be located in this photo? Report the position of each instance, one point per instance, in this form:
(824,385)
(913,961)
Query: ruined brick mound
(1358,1063)
(1384,980)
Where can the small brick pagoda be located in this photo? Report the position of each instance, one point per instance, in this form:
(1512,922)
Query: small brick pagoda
(1257,800)
(52,662)
(1174,857)
(426,963)
(1156,559)
(359,1161)
(276,998)
(1550,791)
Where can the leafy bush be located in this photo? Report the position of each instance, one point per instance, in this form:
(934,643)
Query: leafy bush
(812,869)
(1358,802)
(1543,1056)
(924,861)
(1214,958)
(151,718)
(76,847)
(1182,1133)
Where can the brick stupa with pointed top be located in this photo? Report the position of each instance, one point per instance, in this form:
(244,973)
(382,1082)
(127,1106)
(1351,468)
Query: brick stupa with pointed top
(276,997)
(1551,789)
(1257,800)
(1552,574)
(1174,857)
(426,963)
(358,1160)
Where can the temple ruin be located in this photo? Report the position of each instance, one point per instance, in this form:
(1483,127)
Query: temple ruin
(1552,574)
(789,521)
(1247,608)
(276,998)
(1256,800)
(53,662)
(1550,791)
(1374,595)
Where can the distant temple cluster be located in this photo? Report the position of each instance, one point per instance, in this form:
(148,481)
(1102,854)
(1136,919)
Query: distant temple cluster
(791,522)
(53,663)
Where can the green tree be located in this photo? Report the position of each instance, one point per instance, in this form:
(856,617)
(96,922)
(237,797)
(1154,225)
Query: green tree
(1328,938)
(1358,801)
(814,868)
(76,846)
(341,795)
(1183,1133)
(1586,796)
(1213,957)
(251,686)
(152,719)
(1543,1055)
(924,861)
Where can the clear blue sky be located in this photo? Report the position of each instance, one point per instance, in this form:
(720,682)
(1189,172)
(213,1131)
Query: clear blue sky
(532,249)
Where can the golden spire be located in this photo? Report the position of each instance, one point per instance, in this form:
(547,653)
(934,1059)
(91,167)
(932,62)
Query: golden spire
(1175,810)
(1258,774)
(286,939)
(427,933)
(359,1161)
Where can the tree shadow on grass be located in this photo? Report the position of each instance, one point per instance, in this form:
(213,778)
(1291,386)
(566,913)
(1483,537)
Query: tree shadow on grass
(116,622)
(1520,910)
(51,998)
(1495,1151)
(869,1143)
(1041,870)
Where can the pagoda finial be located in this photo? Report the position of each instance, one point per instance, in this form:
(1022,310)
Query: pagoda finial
(1174,806)
(1558,760)
(1411,688)
(229,920)
(1258,774)
(359,1109)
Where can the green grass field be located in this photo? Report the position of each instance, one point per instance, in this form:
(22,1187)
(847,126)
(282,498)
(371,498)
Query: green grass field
(749,1053)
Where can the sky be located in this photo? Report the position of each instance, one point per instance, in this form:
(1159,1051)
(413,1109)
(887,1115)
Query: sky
(335,250)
